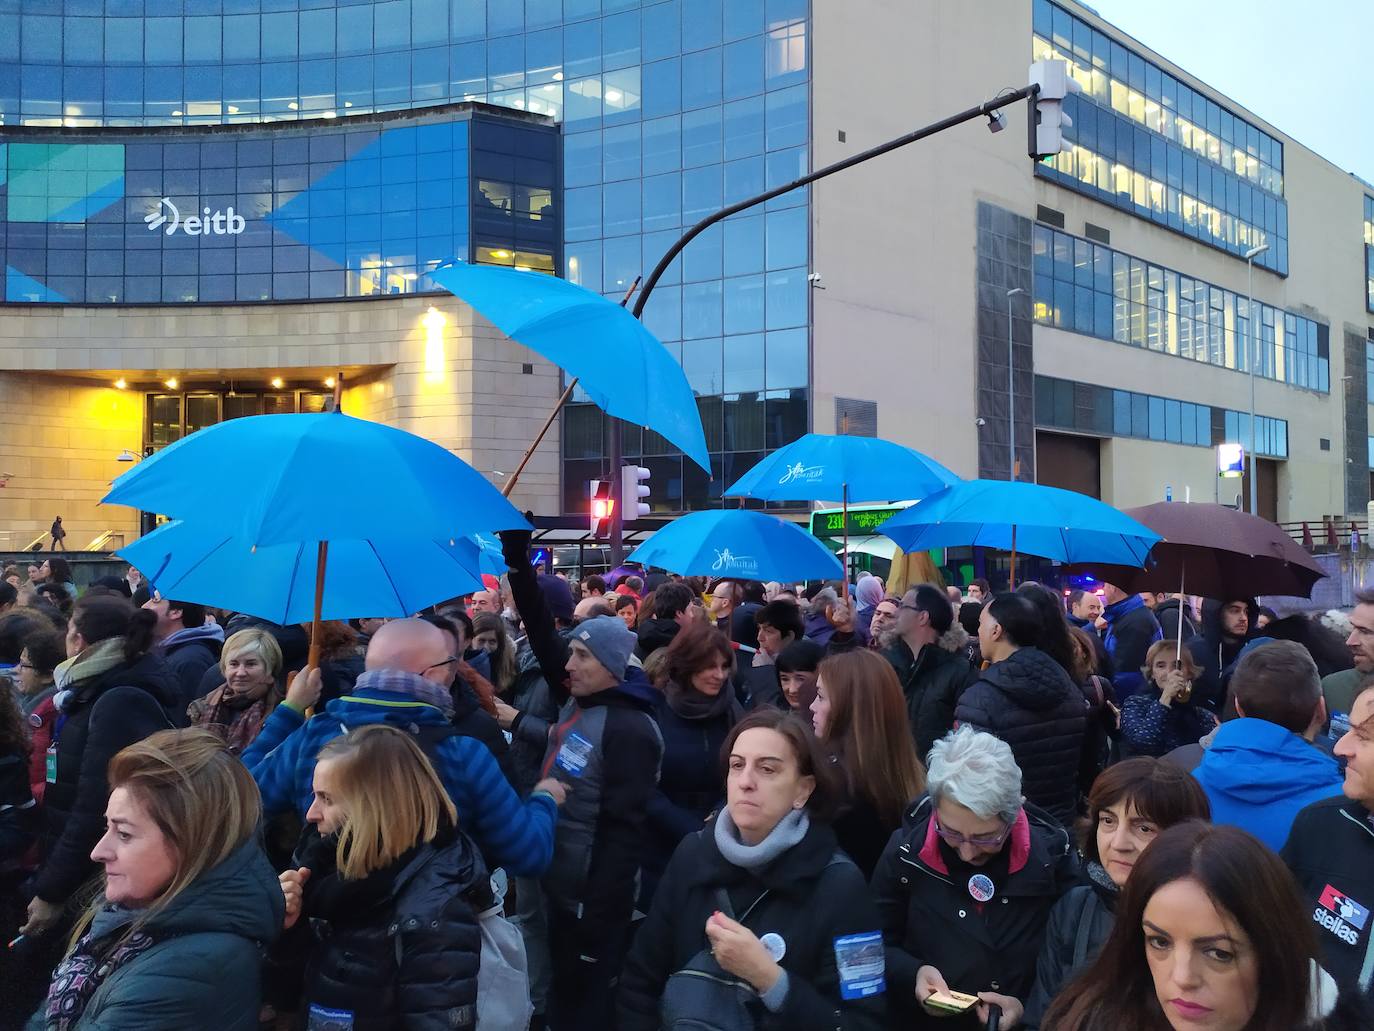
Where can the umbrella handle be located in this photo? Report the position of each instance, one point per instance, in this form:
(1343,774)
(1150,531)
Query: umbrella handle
(313,659)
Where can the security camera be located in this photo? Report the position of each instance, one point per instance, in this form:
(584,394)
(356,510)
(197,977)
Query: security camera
(980,422)
(997,121)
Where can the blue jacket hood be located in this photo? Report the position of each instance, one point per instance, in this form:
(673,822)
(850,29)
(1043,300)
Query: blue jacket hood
(205,632)
(1253,762)
(636,685)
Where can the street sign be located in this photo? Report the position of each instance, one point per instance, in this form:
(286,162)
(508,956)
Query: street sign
(1230,461)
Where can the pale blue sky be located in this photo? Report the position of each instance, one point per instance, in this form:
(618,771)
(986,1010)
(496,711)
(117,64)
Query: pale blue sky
(1306,68)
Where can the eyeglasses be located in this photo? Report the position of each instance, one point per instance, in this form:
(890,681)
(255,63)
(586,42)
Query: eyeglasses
(24,665)
(440,665)
(954,839)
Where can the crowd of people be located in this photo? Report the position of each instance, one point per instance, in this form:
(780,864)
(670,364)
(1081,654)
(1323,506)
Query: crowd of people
(646,801)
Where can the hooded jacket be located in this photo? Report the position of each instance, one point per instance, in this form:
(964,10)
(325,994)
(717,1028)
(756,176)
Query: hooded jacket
(811,901)
(1169,613)
(400,947)
(1331,855)
(930,917)
(512,834)
(189,653)
(96,718)
(1215,653)
(931,684)
(1257,776)
(205,970)
(1131,629)
(654,633)
(1031,703)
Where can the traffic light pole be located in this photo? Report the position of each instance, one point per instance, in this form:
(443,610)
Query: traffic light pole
(981,111)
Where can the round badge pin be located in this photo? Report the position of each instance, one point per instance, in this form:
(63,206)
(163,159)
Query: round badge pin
(35,720)
(777,948)
(980,887)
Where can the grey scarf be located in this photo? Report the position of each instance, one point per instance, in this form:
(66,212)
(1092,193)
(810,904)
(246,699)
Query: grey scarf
(789,831)
(400,682)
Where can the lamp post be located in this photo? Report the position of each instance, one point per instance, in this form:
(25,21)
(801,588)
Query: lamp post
(1252,353)
(1011,387)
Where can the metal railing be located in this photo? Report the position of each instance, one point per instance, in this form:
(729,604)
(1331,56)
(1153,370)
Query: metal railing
(1329,534)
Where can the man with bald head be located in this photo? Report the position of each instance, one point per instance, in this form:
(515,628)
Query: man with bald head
(408,670)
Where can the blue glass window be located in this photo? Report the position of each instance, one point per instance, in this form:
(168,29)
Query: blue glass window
(744,68)
(701,75)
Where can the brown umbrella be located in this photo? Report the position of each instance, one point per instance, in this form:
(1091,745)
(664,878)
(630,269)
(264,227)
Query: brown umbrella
(1217,552)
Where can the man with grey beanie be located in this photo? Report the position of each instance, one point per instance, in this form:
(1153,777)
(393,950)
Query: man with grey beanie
(606,749)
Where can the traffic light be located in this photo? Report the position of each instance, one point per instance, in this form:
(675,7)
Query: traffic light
(1047,120)
(632,489)
(600,507)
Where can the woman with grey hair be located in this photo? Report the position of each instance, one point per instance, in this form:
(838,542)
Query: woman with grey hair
(965,886)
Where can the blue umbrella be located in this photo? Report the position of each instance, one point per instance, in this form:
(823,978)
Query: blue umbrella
(277,581)
(738,543)
(274,479)
(1045,521)
(623,367)
(490,558)
(825,467)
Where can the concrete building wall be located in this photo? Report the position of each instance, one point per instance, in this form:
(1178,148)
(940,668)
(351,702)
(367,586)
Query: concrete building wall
(60,434)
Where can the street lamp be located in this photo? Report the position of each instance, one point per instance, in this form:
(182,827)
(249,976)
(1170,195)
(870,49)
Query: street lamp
(1011,387)
(1253,355)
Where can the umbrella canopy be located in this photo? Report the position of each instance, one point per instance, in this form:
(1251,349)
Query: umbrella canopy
(623,367)
(738,543)
(274,479)
(1049,522)
(277,582)
(831,467)
(1217,552)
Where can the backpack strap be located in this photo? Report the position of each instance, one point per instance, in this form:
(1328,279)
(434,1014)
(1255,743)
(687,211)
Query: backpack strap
(1080,938)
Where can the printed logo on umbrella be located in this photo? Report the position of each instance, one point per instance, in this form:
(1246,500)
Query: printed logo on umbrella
(800,473)
(726,560)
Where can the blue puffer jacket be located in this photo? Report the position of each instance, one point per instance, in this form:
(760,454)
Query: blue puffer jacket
(204,972)
(1257,775)
(512,834)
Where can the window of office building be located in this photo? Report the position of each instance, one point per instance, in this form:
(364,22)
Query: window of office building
(1088,288)
(1109,412)
(1369,254)
(1149,144)
(356,210)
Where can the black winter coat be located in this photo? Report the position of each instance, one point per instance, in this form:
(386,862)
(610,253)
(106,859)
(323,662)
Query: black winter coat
(932,683)
(690,786)
(1030,703)
(1215,653)
(930,918)
(530,732)
(471,720)
(188,661)
(99,717)
(401,947)
(654,633)
(1169,613)
(1330,851)
(1080,924)
(809,902)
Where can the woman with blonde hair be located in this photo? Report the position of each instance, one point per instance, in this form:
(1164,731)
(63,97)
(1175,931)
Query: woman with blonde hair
(176,938)
(251,663)
(1164,715)
(393,889)
(860,717)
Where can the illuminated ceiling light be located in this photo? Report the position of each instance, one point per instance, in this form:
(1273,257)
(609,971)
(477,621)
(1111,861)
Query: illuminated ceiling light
(121,383)
(411,275)
(348,103)
(434,344)
(500,254)
(329,382)
(614,96)
(330,114)
(294,106)
(551,88)
(176,114)
(276,382)
(170,384)
(233,110)
(557,76)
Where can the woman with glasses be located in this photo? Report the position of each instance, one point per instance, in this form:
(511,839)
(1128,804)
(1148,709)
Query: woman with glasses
(965,887)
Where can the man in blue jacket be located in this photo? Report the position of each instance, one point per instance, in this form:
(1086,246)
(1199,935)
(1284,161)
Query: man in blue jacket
(405,685)
(1131,629)
(1262,768)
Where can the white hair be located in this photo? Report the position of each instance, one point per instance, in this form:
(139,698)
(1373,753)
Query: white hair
(977,771)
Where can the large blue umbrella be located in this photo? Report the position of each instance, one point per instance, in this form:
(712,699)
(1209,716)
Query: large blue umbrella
(826,467)
(738,543)
(623,367)
(277,581)
(273,479)
(838,467)
(1045,521)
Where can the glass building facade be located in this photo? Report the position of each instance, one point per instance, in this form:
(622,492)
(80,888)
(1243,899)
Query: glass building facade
(1147,143)
(349,210)
(1088,288)
(666,111)
(1369,254)
(1109,412)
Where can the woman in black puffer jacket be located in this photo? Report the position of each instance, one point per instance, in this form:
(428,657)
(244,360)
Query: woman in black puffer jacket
(392,888)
